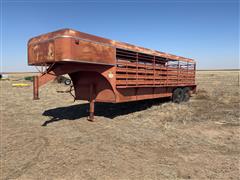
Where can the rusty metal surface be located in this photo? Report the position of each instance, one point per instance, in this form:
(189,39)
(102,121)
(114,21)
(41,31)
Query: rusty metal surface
(69,43)
(41,53)
(134,75)
(104,70)
(67,49)
(91,103)
(35,88)
(131,87)
(84,75)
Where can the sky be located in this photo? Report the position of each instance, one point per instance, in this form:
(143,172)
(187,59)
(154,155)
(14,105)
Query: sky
(205,30)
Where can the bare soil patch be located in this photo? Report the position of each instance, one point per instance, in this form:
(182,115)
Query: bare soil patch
(155,139)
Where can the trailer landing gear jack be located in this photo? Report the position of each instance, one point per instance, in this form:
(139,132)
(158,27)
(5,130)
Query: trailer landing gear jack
(91,104)
(91,111)
(35,88)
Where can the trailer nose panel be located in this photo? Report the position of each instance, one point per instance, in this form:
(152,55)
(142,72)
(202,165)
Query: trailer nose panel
(41,53)
(62,48)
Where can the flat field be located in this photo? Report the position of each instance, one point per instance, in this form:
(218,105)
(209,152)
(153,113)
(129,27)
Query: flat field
(51,139)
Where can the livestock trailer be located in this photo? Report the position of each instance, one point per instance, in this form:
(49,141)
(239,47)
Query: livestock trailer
(104,70)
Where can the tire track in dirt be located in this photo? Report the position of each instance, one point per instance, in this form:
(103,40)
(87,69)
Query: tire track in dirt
(42,143)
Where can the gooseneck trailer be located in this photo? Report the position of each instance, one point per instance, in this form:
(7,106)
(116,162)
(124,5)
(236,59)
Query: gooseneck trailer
(104,70)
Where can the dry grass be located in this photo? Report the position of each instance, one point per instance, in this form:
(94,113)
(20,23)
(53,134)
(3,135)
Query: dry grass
(153,139)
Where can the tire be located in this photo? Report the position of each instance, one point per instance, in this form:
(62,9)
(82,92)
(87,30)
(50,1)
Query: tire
(177,95)
(67,82)
(186,94)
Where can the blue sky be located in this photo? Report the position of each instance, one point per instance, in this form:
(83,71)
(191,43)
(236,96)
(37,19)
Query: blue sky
(207,31)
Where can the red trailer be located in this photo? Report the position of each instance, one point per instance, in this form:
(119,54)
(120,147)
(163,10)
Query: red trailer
(104,70)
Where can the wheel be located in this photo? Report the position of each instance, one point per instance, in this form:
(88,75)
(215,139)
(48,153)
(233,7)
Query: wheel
(177,95)
(67,82)
(186,94)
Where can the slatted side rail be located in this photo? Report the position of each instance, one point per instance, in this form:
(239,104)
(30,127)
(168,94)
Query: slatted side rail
(143,70)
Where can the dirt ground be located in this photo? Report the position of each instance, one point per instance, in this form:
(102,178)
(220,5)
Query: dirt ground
(156,139)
